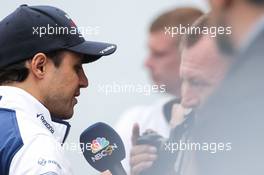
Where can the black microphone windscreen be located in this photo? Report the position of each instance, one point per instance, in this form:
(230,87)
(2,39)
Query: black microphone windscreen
(102,147)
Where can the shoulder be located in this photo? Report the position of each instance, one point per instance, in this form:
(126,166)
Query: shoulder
(10,138)
(26,148)
(43,154)
(145,116)
(129,117)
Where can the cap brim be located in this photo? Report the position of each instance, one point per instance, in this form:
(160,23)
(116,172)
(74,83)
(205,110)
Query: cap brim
(93,50)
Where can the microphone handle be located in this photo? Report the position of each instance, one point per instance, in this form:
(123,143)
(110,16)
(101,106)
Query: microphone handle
(117,169)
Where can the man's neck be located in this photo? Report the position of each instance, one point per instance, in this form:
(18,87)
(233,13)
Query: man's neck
(26,88)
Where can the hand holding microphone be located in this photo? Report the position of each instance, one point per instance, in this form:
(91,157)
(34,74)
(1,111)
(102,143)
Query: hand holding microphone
(165,160)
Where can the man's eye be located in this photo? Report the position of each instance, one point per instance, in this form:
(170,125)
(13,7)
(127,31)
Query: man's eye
(159,54)
(78,68)
(197,83)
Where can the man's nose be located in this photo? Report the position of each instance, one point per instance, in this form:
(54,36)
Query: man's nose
(148,62)
(190,99)
(83,80)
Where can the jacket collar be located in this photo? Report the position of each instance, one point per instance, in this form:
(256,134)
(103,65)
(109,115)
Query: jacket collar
(19,100)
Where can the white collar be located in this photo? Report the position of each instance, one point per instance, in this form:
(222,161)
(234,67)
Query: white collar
(18,99)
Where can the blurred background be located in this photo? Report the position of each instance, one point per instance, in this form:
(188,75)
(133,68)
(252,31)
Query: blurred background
(124,23)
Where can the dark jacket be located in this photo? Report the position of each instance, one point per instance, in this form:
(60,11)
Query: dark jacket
(235,115)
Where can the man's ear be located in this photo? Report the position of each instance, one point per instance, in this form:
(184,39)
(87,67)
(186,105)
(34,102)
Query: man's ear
(38,65)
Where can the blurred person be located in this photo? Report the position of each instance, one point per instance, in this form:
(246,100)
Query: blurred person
(40,80)
(201,71)
(163,63)
(234,113)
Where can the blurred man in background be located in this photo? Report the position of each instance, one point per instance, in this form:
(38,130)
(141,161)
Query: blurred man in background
(202,67)
(234,114)
(201,71)
(163,63)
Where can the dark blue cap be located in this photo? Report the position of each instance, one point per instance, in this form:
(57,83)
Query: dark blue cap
(32,29)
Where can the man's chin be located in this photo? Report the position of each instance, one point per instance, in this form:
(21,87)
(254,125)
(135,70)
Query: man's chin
(156,81)
(67,117)
(64,116)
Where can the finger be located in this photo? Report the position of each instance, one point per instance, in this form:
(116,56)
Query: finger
(135,133)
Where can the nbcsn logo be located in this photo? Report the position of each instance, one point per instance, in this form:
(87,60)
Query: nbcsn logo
(98,144)
(101,148)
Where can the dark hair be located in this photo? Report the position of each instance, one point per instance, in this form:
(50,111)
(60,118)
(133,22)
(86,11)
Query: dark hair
(190,39)
(56,56)
(184,16)
(18,72)
(174,18)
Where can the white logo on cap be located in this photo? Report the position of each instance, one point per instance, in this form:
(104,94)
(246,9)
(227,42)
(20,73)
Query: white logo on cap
(67,16)
(107,49)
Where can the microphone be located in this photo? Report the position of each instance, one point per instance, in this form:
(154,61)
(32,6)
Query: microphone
(103,148)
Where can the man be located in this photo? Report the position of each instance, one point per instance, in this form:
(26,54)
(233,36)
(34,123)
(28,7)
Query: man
(234,113)
(202,68)
(40,80)
(163,63)
(201,71)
